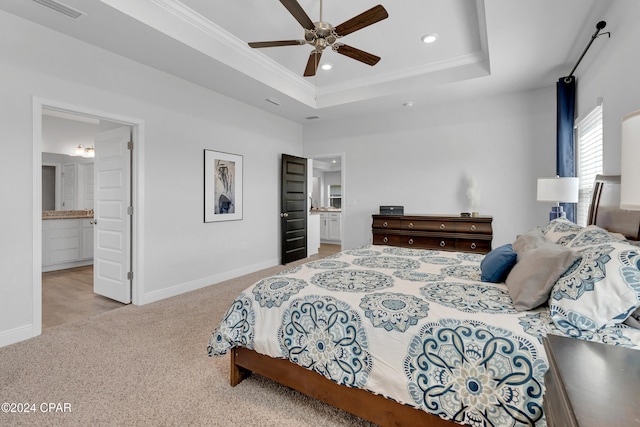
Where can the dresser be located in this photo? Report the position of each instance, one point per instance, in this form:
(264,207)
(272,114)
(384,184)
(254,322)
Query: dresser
(590,384)
(449,233)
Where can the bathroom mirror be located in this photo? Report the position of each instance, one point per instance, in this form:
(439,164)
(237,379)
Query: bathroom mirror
(67,182)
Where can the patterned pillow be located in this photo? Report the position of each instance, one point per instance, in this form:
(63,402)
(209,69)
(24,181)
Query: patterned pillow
(603,288)
(561,231)
(591,235)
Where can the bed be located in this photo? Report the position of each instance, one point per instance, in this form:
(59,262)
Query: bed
(401,336)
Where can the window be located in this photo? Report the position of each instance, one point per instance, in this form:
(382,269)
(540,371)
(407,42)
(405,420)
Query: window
(589,159)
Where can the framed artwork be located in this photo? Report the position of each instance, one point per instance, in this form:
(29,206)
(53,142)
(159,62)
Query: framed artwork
(222,186)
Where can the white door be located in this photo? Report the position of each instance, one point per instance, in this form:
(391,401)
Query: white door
(111,246)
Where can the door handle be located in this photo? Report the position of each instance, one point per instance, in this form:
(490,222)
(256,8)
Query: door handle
(283,215)
(93,221)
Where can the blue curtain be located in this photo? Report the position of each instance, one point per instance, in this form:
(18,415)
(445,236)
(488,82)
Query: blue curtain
(565,152)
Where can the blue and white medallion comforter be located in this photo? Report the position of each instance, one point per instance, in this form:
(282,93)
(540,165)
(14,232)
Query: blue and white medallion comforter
(416,326)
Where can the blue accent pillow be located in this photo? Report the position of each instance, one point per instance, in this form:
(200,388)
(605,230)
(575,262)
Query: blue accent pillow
(497,264)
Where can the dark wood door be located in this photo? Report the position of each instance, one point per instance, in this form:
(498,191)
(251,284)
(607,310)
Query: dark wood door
(293,214)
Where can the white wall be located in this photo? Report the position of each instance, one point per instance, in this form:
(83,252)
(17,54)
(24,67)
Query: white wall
(421,159)
(180,252)
(62,136)
(611,72)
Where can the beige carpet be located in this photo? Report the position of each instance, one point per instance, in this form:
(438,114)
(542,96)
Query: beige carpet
(148,366)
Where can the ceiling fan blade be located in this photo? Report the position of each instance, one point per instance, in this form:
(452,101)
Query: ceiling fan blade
(277,43)
(371,16)
(312,63)
(298,12)
(357,54)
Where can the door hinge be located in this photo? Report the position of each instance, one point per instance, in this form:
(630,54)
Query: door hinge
(130,210)
(130,275)
(130,145)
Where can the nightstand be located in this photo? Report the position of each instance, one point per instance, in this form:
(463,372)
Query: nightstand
(591,384)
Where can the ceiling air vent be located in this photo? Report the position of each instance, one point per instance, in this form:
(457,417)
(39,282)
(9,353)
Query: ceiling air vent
(61,8)
(312,117)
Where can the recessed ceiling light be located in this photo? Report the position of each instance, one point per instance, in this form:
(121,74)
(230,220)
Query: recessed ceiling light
(327,66)
(429,38)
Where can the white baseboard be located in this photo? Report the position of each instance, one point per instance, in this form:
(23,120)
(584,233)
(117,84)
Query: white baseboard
(204,282)
(18,334)
(64,266)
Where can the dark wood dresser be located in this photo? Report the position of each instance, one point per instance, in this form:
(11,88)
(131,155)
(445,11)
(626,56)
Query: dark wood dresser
(449,233)
(591,384)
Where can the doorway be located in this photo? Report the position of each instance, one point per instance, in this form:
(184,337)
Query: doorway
(328,197)
(68,190)
(64,292)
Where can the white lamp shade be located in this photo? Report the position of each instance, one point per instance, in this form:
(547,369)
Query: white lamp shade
(563,189)
(630,165)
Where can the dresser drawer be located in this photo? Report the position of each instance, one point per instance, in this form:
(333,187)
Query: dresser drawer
(421,225)
(474,227)
(387,239)
(422,242)
(480,246)
(386,223)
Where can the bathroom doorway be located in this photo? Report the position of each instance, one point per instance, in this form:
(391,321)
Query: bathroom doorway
(328,197)
(69,142)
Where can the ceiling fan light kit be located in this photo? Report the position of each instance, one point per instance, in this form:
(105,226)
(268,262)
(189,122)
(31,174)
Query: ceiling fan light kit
(321,35)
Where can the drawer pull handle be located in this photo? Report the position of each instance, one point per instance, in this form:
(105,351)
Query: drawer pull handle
(473,245)
(385,224)
(385,240)
(410,225)
(473,227)
(442,244)
(442,226)
(411,241)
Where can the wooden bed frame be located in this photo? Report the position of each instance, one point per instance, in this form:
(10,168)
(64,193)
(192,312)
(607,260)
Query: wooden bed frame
(604,212)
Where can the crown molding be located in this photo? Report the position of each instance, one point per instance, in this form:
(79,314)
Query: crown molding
(178,21)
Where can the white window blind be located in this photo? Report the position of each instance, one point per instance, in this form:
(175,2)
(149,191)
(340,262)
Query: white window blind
(589,159)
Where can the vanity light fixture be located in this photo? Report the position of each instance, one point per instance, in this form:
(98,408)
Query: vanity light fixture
(89,152)
(429,38)
(79,151)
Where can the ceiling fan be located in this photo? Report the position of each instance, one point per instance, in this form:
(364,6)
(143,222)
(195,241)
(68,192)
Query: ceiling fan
(322,34)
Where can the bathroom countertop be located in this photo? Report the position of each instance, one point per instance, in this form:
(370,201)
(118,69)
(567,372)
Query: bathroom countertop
(73,214)
(320,210)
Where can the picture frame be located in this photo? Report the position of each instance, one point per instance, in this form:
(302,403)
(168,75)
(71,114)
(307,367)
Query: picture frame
(222,186)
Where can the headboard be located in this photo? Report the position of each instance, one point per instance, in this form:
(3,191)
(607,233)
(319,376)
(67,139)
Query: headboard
(605,211)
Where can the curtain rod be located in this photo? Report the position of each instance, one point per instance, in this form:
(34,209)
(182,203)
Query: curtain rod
(599,26)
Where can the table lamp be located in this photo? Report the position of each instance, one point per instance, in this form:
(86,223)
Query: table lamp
(630,168)
(558,190)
